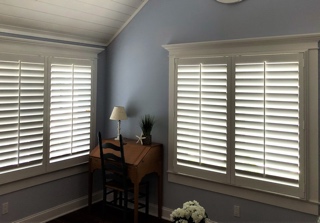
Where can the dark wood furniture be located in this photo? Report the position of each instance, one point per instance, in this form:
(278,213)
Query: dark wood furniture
(141,160)
(115,181)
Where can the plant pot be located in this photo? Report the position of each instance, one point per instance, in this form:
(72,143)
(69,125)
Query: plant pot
(147,140)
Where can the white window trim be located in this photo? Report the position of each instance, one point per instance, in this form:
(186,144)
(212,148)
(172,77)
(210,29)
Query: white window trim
(297,43)
(30,47)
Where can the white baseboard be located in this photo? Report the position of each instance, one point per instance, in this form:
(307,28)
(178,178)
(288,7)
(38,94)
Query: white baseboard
(60,210)
(153,210)
(77,204)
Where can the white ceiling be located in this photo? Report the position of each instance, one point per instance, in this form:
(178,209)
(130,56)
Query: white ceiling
(87,21)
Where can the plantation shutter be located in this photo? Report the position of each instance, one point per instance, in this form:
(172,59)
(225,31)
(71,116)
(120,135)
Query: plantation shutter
(21,112)
(201,115)
(70,103)
(267,125)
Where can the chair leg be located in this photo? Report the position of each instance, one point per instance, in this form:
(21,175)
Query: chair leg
(115,197)
(120,199)
(104,204)
(147,198)
(125,207)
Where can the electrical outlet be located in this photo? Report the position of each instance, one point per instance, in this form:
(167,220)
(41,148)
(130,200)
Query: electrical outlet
(236,211)
(5,208)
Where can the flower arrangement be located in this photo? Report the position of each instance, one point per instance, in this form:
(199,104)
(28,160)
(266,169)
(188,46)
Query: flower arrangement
(191,212)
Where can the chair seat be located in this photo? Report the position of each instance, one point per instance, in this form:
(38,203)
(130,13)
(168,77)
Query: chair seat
(118,186)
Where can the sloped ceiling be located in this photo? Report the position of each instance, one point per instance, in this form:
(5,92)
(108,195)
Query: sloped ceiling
(94,22)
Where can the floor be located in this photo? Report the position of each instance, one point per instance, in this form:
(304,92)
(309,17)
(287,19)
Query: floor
(96,215)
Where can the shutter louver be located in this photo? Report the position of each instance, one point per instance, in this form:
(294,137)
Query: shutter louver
(267,120)
(202,116)
(70,111)
(21,113)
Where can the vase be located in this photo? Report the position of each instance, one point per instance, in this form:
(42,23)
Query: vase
(147,140)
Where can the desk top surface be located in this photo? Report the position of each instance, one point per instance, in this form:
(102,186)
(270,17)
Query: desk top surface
(133,152)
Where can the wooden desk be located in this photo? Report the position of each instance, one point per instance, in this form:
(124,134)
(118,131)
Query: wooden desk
(141,160)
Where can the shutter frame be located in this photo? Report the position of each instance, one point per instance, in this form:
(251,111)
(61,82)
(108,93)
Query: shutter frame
(193,138)
(186,164)
(275,128)
(71,116)
(22,112)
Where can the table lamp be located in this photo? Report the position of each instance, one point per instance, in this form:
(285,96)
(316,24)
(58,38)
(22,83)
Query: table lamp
(118,113)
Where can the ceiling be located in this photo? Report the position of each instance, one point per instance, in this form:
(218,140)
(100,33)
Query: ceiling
(95,22)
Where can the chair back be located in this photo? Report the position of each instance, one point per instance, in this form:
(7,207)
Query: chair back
(113,165)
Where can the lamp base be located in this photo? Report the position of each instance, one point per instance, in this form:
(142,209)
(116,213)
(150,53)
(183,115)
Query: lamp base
(118,133)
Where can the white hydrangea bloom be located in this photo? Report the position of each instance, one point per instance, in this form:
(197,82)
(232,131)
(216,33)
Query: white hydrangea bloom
(191,210)
(178,213)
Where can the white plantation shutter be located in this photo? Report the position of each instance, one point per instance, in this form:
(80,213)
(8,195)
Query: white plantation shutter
(30,144)
(21,112)
(271,127)
(70,103)
(201,115)
(267,120)
(262,131)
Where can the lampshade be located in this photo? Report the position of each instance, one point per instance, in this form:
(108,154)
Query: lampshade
(118,113)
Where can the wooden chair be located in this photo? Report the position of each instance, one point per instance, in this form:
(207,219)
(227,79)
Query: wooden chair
(116,181)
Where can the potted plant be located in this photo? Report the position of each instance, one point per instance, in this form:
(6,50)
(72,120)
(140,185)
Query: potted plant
(146,125)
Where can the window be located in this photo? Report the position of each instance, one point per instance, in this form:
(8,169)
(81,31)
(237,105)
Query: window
(264,104)
(70,106)
(70,102)
(268,121)
(46,106)
(201,105)
(21,112)
(239,115)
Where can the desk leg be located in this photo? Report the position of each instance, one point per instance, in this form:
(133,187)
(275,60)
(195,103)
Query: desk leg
(90,191)
(136,201)
(160,195)
(90,179)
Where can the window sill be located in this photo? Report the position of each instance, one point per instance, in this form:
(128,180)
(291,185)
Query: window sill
(41,179)
(305,206)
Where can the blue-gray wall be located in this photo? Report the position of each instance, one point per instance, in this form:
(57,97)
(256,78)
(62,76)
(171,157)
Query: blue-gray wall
(134,74)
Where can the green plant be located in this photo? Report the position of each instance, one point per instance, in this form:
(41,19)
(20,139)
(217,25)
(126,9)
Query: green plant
(146,124)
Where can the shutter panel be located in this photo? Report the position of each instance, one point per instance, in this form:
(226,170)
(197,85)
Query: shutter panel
(31,113)
(21,112)
(267,119)
(70,105)
(202,114)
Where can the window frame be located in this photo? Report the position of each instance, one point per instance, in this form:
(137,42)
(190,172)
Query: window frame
(21,179)
(56,165)
(272,45)
(262,184)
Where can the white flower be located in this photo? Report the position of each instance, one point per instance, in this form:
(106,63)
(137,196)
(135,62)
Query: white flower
(190,210)
(178,213)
